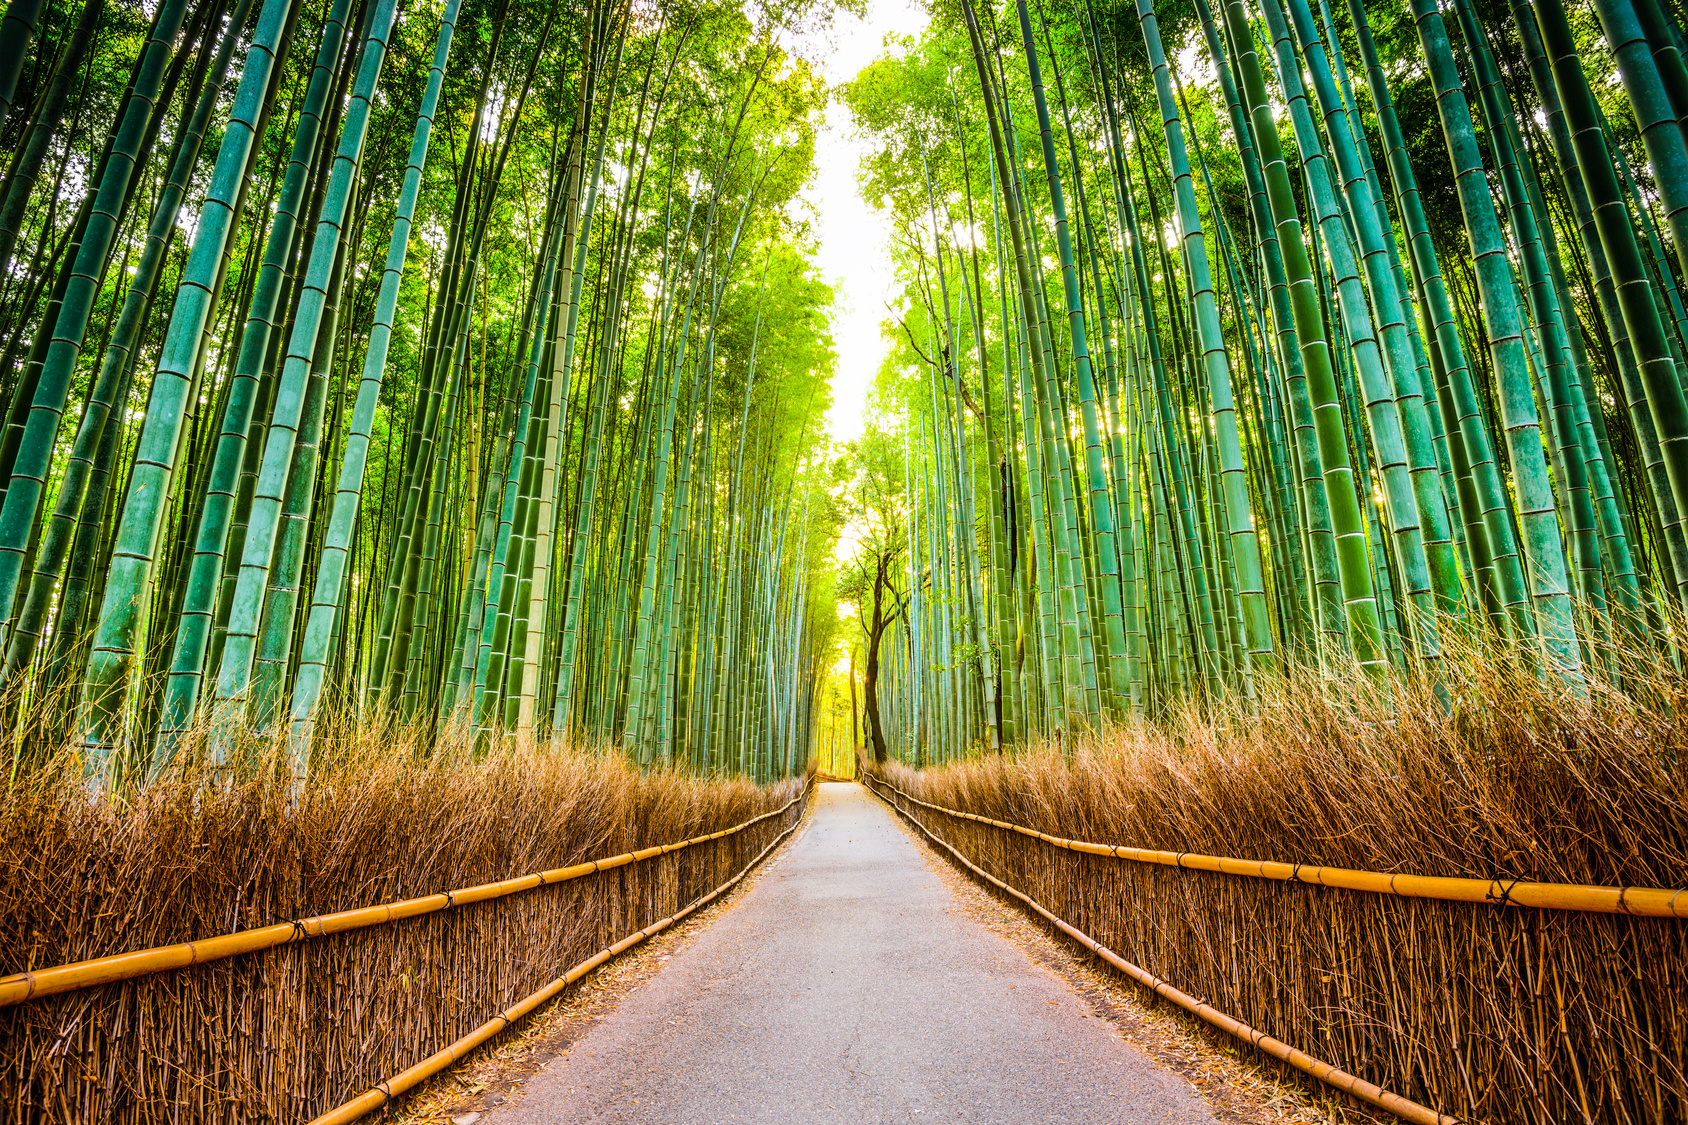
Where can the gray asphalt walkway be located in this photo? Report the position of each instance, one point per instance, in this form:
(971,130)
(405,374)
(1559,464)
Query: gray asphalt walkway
(849,985)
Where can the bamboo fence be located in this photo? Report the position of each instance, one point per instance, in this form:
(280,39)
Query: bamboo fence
(1530,1003)
(329,1014)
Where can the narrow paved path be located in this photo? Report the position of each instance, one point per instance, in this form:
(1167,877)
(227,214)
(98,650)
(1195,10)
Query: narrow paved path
(848,985)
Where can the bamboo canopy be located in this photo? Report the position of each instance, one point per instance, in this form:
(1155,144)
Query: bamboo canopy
(1212,371)
(483,389)
(488,387)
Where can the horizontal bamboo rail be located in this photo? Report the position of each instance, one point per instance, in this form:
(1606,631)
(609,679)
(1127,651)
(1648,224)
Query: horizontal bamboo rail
(1639,902)
(1340,1079)
(382,1094)
(21,987)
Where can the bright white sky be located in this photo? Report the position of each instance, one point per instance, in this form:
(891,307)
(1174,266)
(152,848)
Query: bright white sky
(854,237)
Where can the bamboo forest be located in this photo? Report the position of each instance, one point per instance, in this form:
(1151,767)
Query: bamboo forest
(1210,473)
(474,390)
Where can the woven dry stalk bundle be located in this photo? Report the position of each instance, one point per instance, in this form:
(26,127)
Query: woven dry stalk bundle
(1487,1012)
(289,1032)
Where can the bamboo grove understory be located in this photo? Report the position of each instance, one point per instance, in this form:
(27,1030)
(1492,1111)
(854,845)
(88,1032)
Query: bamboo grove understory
(1244,341)
(425,364)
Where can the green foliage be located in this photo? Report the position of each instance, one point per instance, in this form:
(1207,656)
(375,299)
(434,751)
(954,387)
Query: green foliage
(1454,510)
(604,213)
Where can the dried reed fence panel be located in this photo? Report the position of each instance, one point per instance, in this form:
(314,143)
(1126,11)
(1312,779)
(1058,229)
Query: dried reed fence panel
(287,1033)
(1484,1011)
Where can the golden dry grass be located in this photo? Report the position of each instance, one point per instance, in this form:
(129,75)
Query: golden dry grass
(1486,1012)
(289,1032)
